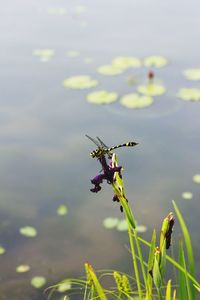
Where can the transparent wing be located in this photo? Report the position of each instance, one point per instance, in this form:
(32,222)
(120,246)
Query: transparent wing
(101,142)
(97,143)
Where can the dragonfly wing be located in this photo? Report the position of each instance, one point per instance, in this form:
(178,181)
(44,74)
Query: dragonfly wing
(93,140)
(101,142)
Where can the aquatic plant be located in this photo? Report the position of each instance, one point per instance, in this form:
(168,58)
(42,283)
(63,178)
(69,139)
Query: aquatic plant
(148,280)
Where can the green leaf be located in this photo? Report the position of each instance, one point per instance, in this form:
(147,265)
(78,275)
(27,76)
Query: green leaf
(110,223)
(38,281)
(22,268)
(168,291)
(28,231)
(110,70)
(151,89)
(2,250)
(125,62)
(155,61)
(182,276)
(196,178)
(80,82)
(192,74)
(187,195)
(64,286)
(189,94)
(62,210)
(102,97)
(134,100)
(188,246)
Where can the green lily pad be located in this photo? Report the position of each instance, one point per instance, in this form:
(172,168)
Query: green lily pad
(196,178)
(187,195)
(57,11)
(63,287)
(80,82)
(62,210)
(38,281)
(189,94)
(2,250)
(110,222)
(22,268)
(155,61)
(73,54)
(44,54)
(28,231)
(102,97)
(151,89)
(122,225)
(141,228)
(110,70)
(125,62)
(136,101)
(88,60)
(192,74)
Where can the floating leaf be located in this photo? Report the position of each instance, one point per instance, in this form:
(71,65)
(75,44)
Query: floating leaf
(88,60)
(28,231)
(189,94)
(38,281)
(73,54)
(44,54)
(110,222)
(102,97)
(62,210)
(196,178)
(57,10)
(151,89)
(155,61)
(65,286)
(141,228)
(2,250)
(80,82)
(136,101)
(125,62)
(110,70)
(22,268)
(187,195)
(192,74)
(80,9)
(122,225)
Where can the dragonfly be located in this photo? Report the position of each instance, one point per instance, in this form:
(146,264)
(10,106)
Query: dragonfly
(102,149)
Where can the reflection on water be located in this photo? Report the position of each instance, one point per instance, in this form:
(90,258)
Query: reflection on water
(44,155)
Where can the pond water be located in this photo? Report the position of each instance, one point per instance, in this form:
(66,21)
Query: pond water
(44,154)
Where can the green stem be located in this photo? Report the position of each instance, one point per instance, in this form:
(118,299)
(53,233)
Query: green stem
(140,257)
(134,261)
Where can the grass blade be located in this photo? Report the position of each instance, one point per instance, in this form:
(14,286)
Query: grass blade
(188,245)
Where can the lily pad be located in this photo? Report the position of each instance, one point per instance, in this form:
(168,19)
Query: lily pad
(122,225)
(196,178)
(187,195)
(63,287)
(136,101)
(22,268)
(80,82)
(192,74)
(88,60)
(73,54)
(62,210)
(110,222)
(110,70)
(102,97)
(57,11)
(28,231)
(38,281)
(125,62)
(189,94)
(141,228)
(151,89)
(155,61)
(2,250)
(44,54)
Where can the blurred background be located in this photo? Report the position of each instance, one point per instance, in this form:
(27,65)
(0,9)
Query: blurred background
(44,154)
